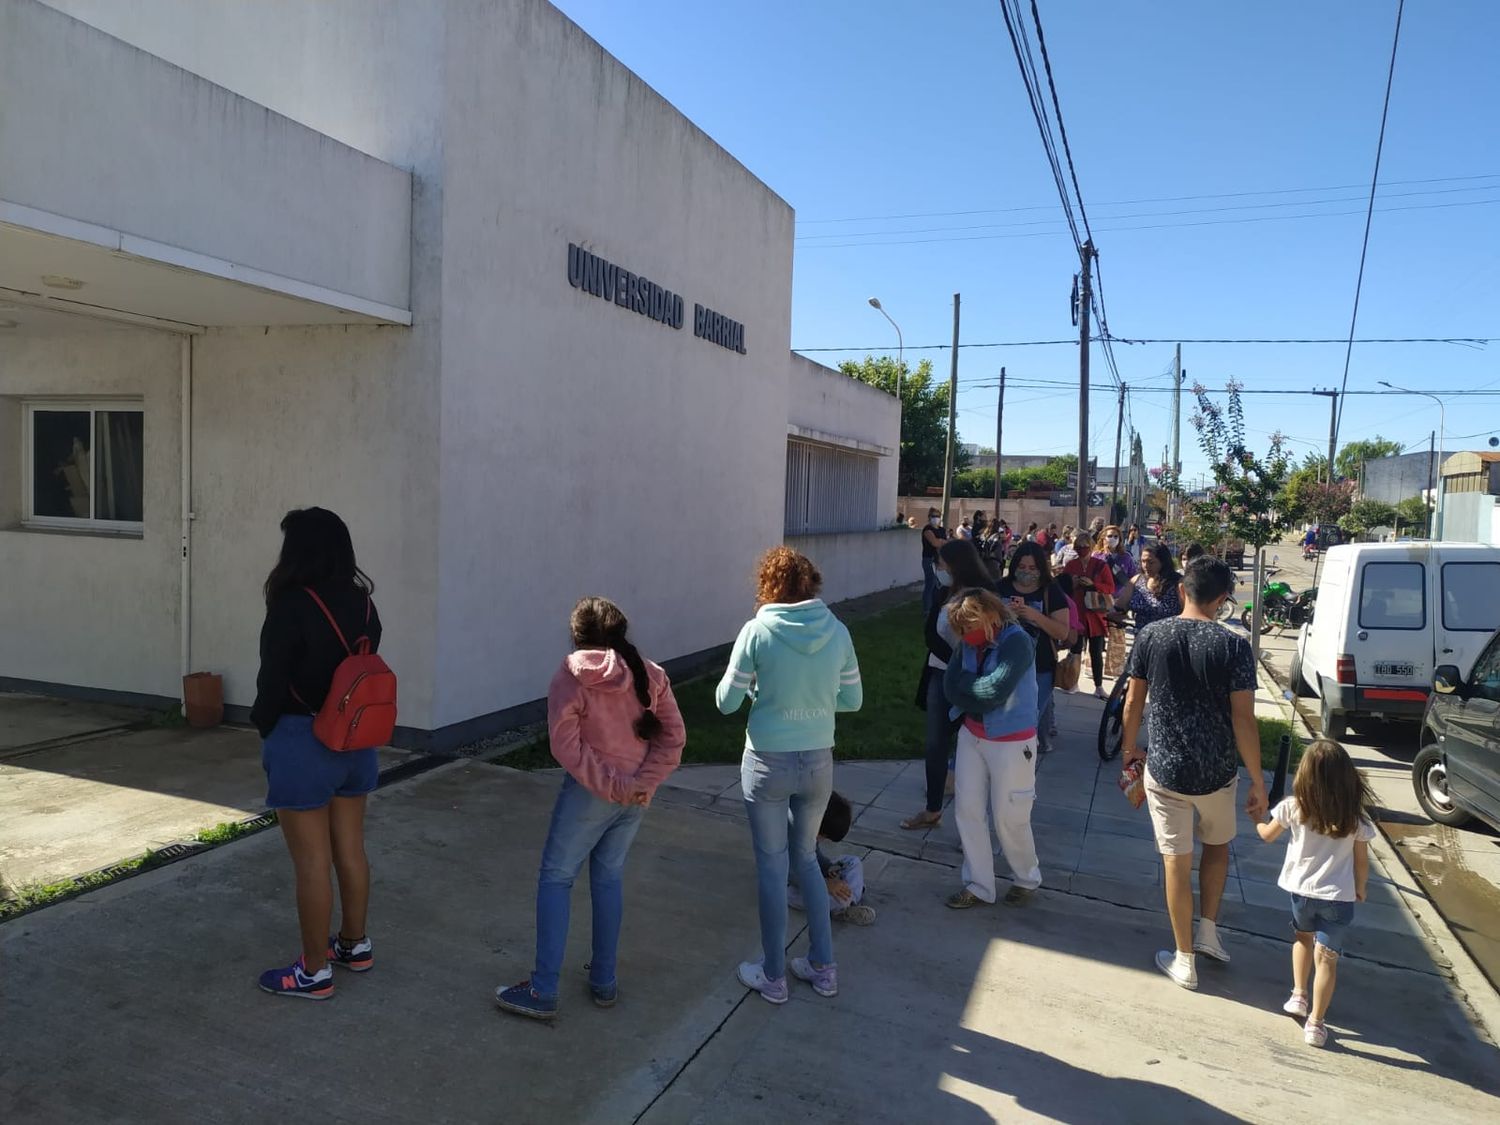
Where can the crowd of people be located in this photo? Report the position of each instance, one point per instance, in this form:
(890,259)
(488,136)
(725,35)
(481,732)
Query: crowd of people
(997,641)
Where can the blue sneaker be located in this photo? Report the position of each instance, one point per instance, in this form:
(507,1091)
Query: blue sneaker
(358,956)
(604,995)
(523,1000)
(294,980)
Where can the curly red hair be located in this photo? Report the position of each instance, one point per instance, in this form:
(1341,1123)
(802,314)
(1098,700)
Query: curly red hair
(786,576)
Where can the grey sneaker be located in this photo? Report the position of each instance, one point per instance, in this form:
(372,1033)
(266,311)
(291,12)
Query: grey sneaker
(1017,896)
(856,915)
(1207,941)
(752,975)
(824,979)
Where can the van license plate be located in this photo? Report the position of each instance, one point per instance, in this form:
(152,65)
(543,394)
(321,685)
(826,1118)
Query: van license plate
(1386,668)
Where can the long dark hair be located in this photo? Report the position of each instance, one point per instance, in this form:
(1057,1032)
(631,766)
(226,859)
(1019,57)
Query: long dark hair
(1042,557)
(315,550)
(962,559)
(598,623)
(1169,577)
(1331,795)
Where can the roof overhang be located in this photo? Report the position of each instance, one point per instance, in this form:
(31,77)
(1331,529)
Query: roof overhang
(131,189)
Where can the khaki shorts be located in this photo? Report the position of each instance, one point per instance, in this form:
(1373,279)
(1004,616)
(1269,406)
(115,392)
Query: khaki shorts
(1172,816)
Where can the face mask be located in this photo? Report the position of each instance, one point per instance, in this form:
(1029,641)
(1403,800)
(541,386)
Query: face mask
(944,578)
(932,521)
(976,638)
(1027,577)
(1112,541)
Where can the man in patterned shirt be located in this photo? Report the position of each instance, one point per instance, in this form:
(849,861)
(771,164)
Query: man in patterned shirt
(1200,681)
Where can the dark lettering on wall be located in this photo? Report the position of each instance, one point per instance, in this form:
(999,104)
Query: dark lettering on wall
(594,275)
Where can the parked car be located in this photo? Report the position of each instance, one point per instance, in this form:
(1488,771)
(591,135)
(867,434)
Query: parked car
(1387,615)
(1457,771)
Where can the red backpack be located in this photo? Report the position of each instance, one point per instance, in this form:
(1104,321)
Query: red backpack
(360,710)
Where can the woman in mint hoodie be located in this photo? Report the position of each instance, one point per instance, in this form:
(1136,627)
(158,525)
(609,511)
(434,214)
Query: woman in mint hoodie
(795,662)
(613,724)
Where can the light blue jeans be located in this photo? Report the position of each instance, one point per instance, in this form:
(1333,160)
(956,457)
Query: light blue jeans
(584,827)
(795,782)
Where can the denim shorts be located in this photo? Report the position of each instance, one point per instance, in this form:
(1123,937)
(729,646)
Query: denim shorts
(302,773)
(1328,919)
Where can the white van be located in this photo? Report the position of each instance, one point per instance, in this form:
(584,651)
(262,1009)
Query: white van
(1387,615)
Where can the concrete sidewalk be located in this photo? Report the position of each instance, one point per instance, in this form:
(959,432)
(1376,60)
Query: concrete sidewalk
(137,1002)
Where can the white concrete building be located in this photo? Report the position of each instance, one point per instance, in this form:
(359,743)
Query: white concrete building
(447,268)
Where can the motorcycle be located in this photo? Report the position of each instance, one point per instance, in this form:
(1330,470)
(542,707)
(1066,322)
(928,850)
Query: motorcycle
(1280,608)
(1309,553)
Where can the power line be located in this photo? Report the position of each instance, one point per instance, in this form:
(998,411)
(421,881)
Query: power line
(1364,247)
(1463,341)
(1158,199)
(1153,226)
(810,238)
(1041,42)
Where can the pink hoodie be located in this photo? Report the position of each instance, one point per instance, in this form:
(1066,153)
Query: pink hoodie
(591,708)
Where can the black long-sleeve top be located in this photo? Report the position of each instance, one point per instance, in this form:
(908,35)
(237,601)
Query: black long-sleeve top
(299,650)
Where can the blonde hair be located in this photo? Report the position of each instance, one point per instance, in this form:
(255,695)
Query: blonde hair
(978,609)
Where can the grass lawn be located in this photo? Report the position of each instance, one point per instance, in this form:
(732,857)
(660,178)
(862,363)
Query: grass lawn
(889,725)
(1271,731)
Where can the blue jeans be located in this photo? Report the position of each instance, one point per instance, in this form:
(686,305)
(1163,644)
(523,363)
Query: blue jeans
(1044,712)
(929,586)
(798,782)
(1328,921)
(584,827)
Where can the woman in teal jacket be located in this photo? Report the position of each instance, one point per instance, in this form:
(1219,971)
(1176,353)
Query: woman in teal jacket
(795,662)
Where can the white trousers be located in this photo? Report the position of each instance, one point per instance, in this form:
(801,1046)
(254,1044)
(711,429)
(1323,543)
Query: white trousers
(1000,776)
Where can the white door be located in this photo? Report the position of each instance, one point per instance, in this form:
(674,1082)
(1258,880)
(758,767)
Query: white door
(1469,610)
(1392,636)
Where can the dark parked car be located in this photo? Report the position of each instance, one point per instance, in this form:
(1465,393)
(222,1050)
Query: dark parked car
(1457,771)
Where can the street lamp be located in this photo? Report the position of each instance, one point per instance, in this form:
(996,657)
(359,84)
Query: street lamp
(1437,531)
(900,345)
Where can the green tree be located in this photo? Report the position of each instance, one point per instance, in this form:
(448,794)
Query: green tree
(974,482)
(1413,514)
(924,419)
(1308,499)
(1366,514)
(1352,458)
(1246,488)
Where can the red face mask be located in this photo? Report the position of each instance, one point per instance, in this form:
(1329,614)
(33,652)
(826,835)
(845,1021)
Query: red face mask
(976,637)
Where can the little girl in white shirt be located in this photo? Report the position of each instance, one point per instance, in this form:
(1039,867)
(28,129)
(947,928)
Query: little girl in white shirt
(1327,864)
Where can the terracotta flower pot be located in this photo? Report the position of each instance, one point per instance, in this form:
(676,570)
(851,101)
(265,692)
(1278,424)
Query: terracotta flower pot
(203,699)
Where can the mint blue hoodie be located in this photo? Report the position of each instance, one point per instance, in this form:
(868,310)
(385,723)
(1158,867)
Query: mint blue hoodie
(797,665)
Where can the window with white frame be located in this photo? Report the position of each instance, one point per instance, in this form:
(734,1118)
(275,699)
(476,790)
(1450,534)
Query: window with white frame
(83,464)
(830,489)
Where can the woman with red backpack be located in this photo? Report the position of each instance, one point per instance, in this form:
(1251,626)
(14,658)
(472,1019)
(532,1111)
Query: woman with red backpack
(319,614)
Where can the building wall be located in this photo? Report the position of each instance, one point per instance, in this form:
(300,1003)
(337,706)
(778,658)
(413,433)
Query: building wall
(662,455)
(857,563)
(826,400)
(344,417)
(83,609)
(1394,479)
(1471,517)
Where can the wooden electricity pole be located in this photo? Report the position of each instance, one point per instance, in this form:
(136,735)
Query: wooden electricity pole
(999,437)
(1114,481)
(1085,298)
(952,418)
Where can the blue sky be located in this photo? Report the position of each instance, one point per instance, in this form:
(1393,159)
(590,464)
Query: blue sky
(892,109)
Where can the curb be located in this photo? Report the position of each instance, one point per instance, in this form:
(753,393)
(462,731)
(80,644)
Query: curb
(1470,984)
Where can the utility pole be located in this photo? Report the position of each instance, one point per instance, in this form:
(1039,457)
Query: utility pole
(1175,464)
(999,437)
(1114,481)
(1333,426)
(952,418)
(1085,298)
(1431,498)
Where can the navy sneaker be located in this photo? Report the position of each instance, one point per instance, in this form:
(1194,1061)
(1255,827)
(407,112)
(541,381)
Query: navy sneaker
(604,995)
(523,1000)
(294,980)
(356,955)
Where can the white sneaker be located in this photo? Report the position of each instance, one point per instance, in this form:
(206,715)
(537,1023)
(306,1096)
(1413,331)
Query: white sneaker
(1207,941)
(1296,1005)
(1178,966)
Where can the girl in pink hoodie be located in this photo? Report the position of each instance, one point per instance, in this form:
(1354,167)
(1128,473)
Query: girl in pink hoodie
(615,727)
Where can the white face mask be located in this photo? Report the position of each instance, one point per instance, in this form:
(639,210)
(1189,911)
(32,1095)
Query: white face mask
(932,521)
(1112,541)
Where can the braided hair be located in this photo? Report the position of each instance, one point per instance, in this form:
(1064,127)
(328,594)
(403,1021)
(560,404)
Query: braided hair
(598,623)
